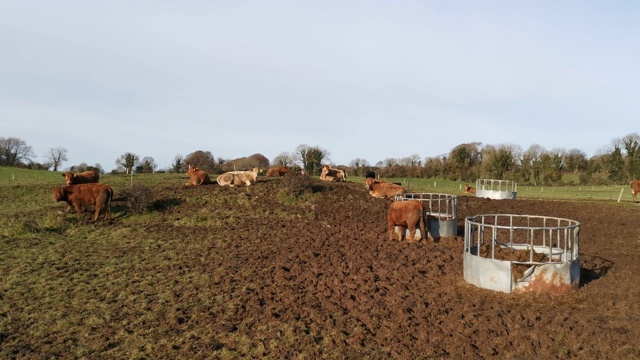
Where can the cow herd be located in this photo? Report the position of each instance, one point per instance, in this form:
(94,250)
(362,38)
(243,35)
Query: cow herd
(84,189)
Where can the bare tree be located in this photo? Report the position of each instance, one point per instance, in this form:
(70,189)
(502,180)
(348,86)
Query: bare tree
(284,159)
(14,151)
(128,161)
(56,156)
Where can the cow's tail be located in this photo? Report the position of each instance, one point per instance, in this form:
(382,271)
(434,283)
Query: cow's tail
(423,231)
(107,212)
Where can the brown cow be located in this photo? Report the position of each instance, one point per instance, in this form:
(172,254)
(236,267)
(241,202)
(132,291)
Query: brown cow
(87,177)
(635,188)
(277,171)
(469,189)
(197,176)
(85,194)
(331,174)
(381,189)
(406,214)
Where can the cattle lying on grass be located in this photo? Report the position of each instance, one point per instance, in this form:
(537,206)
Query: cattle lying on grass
(87,177)
(85,194)
(381,189)
(469,189)
(406,214)
(635,188)
(277,171)
(331,174)
(197,176)
(238,178)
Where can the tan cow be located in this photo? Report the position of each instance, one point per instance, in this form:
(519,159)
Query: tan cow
(85,194)
(277,171)
(381,189)
(331,174)
(635,188)
(197,176)
(406,214)
(86,177)
(469,189)
(238,178)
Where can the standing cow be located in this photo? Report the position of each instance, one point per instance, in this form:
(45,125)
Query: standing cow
(85,194)
(635,188)
(86,177)
(406,214)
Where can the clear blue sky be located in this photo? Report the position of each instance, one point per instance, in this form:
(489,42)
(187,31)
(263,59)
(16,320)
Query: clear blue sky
(361,79)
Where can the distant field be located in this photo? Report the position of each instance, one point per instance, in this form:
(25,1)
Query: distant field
(12,176)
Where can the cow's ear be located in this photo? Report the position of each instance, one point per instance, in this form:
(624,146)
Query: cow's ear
(63,174)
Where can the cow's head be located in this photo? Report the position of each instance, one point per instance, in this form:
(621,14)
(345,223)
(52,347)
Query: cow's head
(368,183)
(68,177)
(192,170)
(59,193)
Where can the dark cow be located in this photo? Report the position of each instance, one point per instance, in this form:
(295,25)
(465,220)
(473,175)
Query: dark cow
(197,176)
(87,177)
(277,171)
(381,189)
(469,189)
(85,194)
(635,188)
(406,214)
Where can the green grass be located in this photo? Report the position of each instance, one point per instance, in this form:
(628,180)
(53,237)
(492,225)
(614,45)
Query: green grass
(576,192)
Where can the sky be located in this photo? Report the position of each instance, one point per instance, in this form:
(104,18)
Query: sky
(366,80)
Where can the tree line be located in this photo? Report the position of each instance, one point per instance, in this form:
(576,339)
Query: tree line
(615,164)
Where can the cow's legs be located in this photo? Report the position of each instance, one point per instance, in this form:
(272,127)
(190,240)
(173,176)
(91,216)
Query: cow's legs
(400,232)
(412,233)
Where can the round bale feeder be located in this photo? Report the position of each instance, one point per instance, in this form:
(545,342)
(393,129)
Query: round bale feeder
(496,189)
(522,253)
(441,217)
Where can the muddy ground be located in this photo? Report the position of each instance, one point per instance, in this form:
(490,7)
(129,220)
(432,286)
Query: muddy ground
(249,272)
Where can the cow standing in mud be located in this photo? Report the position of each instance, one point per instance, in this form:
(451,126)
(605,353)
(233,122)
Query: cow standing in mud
(85,194)
(406,214)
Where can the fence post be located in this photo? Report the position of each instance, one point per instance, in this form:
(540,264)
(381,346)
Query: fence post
(620,197)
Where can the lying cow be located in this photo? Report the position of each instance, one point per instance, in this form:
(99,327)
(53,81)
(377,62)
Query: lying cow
(197,176)
(87,177)
(277,171)
(85,194)
(331,174)
(381,189)
(238,178)
(635,188)
(406,214)
(469,189)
